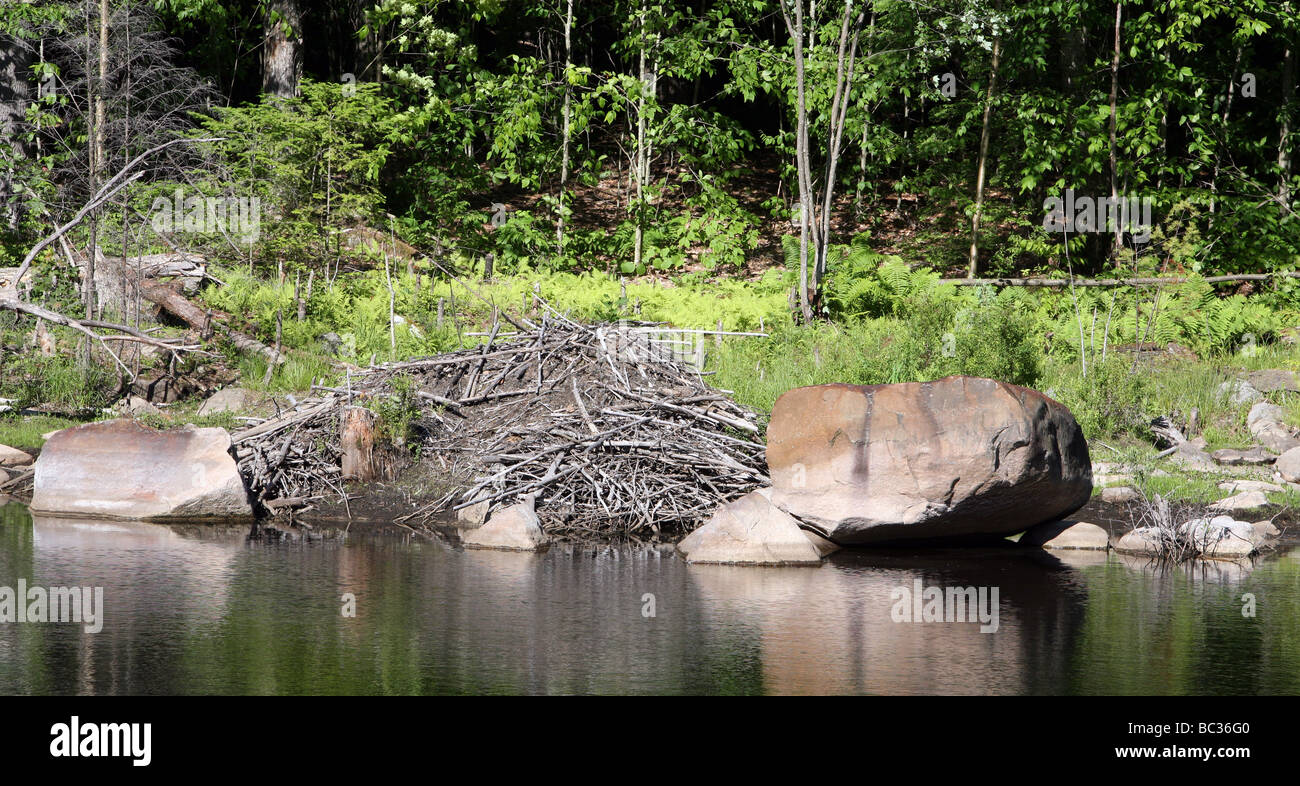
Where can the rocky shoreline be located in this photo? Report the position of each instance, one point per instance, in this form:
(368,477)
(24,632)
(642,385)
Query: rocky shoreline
(957,460)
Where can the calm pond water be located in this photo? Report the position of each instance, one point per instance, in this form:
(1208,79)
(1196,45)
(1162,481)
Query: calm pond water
(206,611)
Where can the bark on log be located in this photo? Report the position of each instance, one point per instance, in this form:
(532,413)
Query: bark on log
(177,305)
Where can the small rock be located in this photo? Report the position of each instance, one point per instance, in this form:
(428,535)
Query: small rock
(1272,380)
(1117,494)
(1236,486)
(1239,391)
(1221,536)
(330,343)
(1191,456)
(515,528)
(1288,465)
(1246,500)
(1066,535)
(46,436)
(136,407)
(1265,412)
(1143,540)
(1254,456)
(227,400)
(1266,424)
(1105,473)
(752,531)
(13,457)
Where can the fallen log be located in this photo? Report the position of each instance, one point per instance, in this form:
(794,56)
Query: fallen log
(179,306)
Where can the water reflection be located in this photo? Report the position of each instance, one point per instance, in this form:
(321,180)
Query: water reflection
(203,610)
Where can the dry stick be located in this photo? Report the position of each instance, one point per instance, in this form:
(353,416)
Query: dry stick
(270,367)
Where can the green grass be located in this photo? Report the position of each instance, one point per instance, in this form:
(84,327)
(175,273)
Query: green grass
(25,433)
(295,374)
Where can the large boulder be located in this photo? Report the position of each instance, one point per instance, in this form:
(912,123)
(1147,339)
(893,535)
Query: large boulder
(512,528)
(752,531)
(957,458)
(121,469)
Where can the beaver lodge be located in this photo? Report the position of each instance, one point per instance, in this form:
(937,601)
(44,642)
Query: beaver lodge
(610,433)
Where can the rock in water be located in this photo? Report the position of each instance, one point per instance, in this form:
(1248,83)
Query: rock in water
(753,531)
(514,528)
(1143,540)
(957,458)
(121,469)
(1067,535)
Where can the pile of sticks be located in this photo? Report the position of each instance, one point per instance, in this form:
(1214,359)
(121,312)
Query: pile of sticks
(609,433)
(292,459)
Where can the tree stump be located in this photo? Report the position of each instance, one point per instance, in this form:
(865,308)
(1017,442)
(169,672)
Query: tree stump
(358,442)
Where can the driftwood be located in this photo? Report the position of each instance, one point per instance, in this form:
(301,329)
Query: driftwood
(602,425)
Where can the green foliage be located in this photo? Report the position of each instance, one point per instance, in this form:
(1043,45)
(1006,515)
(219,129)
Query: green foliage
(314,162)
(398,412)
(27,432)
(59,381)
(295,374)
(1110,399)
(930,339)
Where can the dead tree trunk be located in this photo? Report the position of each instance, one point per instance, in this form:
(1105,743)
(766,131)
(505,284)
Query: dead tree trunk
(1284,137)
(15,60)
(565,123)
(177,305)
(984,157)
(282,50)
(358,445)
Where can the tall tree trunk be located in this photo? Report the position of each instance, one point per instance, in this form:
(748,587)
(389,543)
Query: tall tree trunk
(845,61)
(565,123)
(866,125)
(1284,137)
(96,163)
(1114,95)
(795,28)
(649,78)
(984,157)
(282,50)
(1223,121)
(15,65)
